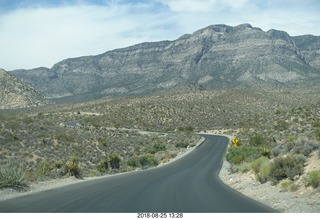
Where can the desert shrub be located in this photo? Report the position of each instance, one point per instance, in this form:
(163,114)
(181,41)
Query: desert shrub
(103,165)
(93,173)
(12,175)
(317,133)
(240,154)
(186,128)
(241,168)
(316,124)
(301,158)
(285,167)
(261,168)
(182,145)
(58,164)
(59,168)
(276,151)
(144,161)
(266,152)
(114,160)
(306,150)
(281,125)
(258,140)
(44,169)
(263,175)
(148,160)
(155,148)
(73,166)
(134,162)
(256,164)
(65,137)
(304,146)
(288,185)
(93,120)
(313,178)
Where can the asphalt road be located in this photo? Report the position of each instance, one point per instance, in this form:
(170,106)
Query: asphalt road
(189,184)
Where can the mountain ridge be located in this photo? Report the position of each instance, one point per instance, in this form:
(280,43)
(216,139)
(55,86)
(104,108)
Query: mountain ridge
(15,94)
(212,57)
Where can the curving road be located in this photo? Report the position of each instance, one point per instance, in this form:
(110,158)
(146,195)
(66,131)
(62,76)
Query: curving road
(189,184)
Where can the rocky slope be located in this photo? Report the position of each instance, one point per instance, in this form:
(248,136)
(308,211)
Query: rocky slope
(14,94)
(215,56)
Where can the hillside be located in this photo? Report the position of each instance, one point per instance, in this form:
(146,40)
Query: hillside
(14,94)
(217,56)
(43,140)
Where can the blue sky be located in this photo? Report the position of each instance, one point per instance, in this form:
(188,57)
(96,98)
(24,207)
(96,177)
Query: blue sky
(36,33)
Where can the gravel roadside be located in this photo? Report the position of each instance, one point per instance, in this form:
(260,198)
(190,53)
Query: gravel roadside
(270,195)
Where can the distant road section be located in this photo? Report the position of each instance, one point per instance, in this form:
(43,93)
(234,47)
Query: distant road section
(189,184)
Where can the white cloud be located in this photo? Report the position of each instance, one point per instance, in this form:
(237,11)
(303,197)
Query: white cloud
(202,5)
(189,5)
(43,36)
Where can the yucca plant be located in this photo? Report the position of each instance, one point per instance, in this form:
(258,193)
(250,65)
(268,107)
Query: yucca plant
(12,175)
(44,169)
(73,167)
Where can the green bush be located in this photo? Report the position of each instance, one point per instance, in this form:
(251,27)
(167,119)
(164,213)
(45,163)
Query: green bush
(44,168)
(103,165)
(114,160)
(12,175)
(240,154)
(288,185)
(313,178)
(285,167)
(316,124)
(318,134)
(258,140)
(148,160)
(155,148)
(182,145)
(261,168)
(186,128)
(58,164)
(266,152)
(144,161)
(65,137)
(134,162)
(263,175)
(256,164)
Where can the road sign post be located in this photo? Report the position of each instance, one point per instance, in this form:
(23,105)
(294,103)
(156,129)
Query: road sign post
(235,142)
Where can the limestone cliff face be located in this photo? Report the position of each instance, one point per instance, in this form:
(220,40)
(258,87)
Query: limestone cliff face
(14,94)
(215,56)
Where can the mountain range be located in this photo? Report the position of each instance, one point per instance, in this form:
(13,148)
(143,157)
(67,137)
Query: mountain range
(217,56)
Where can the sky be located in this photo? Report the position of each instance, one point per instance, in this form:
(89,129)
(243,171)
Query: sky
(36,33)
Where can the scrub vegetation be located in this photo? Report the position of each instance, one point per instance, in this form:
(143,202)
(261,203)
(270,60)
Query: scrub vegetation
(278,132)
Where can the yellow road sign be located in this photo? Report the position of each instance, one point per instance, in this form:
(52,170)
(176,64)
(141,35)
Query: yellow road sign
(235,142)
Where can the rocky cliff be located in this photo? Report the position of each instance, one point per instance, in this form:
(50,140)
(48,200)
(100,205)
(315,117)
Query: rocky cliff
(212,57)
(14,94)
